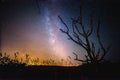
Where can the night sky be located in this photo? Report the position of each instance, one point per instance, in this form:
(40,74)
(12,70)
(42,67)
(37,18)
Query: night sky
(32,26)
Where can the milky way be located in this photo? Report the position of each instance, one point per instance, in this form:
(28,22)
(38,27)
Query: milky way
(36,32)
(33,28)
(52,29)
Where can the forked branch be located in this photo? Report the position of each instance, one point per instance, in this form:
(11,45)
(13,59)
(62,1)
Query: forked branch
(93,55)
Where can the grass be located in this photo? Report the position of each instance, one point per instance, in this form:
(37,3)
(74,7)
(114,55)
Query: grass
(12,69)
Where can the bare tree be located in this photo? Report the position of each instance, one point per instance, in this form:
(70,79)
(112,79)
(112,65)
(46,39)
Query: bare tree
(81,36)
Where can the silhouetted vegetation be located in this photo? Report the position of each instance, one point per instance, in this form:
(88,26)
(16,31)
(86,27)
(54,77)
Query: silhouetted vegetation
(28,68)
(10,65)
(81,36)
(15,69)
(27,60)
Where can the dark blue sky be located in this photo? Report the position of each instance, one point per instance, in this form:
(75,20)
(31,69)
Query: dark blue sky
(33,27)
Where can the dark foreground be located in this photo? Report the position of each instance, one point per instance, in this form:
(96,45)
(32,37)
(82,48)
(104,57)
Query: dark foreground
(86,72)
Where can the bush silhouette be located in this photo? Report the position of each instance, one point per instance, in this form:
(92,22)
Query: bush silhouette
(8,65)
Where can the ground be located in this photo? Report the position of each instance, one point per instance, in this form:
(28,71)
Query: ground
(107,71)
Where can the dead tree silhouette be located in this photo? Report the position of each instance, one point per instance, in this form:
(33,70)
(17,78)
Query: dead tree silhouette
(82,38)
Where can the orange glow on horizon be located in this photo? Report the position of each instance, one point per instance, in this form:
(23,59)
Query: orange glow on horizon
(42,60)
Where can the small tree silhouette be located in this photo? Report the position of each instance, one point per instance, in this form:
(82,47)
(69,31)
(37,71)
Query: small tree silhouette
(82,38)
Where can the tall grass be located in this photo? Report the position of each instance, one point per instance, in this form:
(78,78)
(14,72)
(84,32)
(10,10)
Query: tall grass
(6,59)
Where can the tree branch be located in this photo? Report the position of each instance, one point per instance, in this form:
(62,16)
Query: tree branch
(64,23)
(100,43)
(93,49)
(70,37)
(76,58)
(91,27)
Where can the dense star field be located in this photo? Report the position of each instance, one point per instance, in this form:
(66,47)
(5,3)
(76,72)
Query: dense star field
(32,27)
